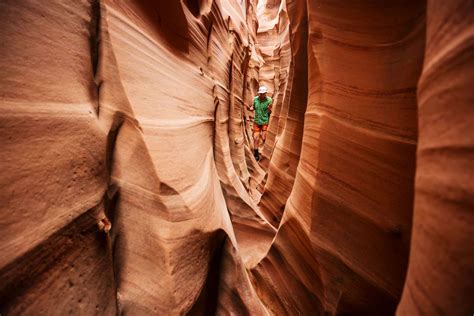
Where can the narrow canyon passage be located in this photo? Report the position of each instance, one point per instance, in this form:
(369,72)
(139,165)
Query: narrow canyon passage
(129,183)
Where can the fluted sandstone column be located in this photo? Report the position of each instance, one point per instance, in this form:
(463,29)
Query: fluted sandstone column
(440,278)
(353,192)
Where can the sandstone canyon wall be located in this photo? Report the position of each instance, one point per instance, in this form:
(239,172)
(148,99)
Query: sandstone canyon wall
(344,236)
(127,112)
(129,184)
(441,269)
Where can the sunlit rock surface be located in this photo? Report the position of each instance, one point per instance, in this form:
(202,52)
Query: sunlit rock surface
(128,178)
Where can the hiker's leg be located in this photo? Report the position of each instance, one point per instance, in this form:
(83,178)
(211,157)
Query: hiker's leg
(264,133)
(256,136)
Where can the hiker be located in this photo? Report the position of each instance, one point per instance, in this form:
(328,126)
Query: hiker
(262,105)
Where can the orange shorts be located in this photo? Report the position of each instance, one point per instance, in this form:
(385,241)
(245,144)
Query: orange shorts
(258,128)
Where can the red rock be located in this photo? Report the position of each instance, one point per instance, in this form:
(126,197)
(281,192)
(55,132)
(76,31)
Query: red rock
(440,279)
(128,179)
(344,238)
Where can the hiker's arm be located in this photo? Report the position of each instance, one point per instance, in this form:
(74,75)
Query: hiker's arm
(270,108)
(250,108)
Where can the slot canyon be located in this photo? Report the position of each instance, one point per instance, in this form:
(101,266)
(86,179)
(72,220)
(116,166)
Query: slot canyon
(128,178)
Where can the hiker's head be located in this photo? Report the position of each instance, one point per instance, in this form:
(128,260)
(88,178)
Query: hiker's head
(262,91)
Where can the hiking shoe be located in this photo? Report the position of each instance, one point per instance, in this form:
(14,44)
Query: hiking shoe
(257,155)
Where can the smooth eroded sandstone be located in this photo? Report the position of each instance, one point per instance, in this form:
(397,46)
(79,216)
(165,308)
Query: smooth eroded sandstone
(129,186)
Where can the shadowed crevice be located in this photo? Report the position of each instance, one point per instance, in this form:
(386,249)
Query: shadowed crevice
(67,247)
(208,300)
(117,122)
(94,47)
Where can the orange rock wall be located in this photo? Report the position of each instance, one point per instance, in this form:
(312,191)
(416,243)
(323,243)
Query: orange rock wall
(287,122)
(54,171)
(441,269)
(128,179)
(128,113)
(359,131)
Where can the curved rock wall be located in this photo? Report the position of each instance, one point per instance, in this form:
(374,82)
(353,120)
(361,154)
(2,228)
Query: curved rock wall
(344,219)
(287,123)
(131,117)
(53,166)
(441,269)
(129,183)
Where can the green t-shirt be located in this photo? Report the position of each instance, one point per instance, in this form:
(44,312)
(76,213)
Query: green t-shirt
(261,110)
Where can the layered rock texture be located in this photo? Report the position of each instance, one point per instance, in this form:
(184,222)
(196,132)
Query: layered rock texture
(128,183)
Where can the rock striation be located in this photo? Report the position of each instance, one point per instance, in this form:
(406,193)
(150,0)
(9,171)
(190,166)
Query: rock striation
(128,113)
(128,179)
(441,268)
(344,238)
